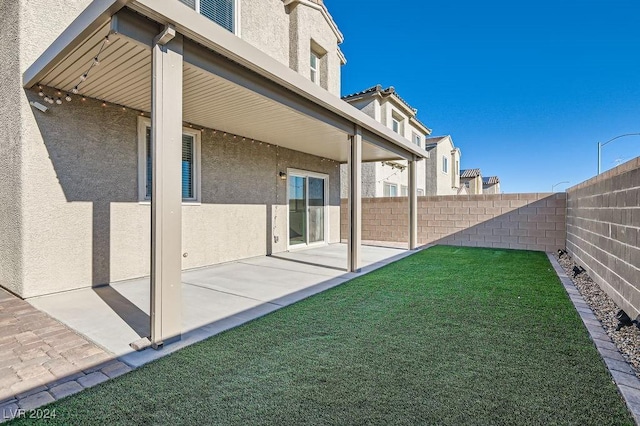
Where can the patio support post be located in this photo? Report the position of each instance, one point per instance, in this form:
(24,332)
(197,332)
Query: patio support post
(355,201)
(166,193)
(413,205)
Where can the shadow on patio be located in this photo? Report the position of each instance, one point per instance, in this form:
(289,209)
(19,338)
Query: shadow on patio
(215,298)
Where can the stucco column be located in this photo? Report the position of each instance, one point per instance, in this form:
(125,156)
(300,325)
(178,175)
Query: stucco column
(166,195)
(355,201)
(413,204)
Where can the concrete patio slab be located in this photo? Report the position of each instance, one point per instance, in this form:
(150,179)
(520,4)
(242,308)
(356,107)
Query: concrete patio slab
(214,298)
(71,341)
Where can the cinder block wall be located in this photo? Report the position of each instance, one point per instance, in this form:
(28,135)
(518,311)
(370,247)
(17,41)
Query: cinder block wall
(517,221)
(603,232)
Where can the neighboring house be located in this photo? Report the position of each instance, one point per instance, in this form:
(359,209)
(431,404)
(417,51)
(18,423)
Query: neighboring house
(443,167)
(389,178)
(232,106)
(491,185)
(472,180)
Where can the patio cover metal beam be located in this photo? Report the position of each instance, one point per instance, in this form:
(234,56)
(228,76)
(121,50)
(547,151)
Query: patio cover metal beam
(413,205)
(166,195)
(354,204)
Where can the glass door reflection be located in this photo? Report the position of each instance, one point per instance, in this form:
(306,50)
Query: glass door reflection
(297,210)
(316,209)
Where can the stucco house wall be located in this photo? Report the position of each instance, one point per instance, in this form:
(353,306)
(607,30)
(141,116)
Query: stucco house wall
(439,182)
(474,185)
(11,153)
(309,26)
(491,189)
(265,24)
(71,217)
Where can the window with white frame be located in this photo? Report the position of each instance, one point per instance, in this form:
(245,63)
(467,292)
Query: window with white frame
(397,124)
(190,163)
(417,139)
(314,67)
(222,12)
(420,192)
(404,190)
(390,190)
(445,164)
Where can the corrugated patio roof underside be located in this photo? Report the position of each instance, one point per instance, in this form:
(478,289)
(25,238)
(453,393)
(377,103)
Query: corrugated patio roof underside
(124,78)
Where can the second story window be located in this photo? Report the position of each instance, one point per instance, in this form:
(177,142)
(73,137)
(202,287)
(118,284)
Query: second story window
(314,66)
(445,165)
(417,139)
(397,123)
(222,12)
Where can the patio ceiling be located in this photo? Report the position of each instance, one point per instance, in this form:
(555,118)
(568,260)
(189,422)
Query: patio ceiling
(217,93)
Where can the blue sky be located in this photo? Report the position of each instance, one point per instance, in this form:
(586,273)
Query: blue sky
(526,89)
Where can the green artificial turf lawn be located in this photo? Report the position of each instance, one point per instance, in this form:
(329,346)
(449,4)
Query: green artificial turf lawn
(446,336)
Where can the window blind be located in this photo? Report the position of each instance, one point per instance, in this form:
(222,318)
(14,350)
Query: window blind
(190,3)
(219,11)
(188,166)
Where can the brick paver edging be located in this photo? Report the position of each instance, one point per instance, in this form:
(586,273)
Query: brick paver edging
(22,404)
(622,373)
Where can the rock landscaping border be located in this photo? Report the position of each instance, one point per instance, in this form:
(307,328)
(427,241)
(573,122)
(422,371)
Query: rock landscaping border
(592,304)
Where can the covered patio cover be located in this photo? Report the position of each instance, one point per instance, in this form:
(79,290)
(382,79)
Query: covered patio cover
(165,59)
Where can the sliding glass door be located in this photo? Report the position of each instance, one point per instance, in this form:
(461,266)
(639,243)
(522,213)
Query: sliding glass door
(297,210)
(307,204)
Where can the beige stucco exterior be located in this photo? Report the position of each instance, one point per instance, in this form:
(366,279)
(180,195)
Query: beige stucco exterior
(439,181)
(473,184)
(69,178)
(491,188)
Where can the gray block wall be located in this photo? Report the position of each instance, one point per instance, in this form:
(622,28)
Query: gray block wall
(517,221)
(603,232)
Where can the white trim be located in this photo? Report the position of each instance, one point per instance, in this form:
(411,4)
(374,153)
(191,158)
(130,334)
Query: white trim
(390,185)
(315,69)
(237,27)
(445,158)
(327,230)
(143,124)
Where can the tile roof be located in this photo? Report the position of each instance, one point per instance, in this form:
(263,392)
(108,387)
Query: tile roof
(376,88)
(490,180)
(385,92)
(434,139)
(469,173)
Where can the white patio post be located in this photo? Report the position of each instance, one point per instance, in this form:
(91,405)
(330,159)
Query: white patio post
(355,201)
(413,205)
(166,195)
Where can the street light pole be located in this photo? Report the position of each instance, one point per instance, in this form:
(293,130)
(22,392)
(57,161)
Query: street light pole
(600,145)
(559,183)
